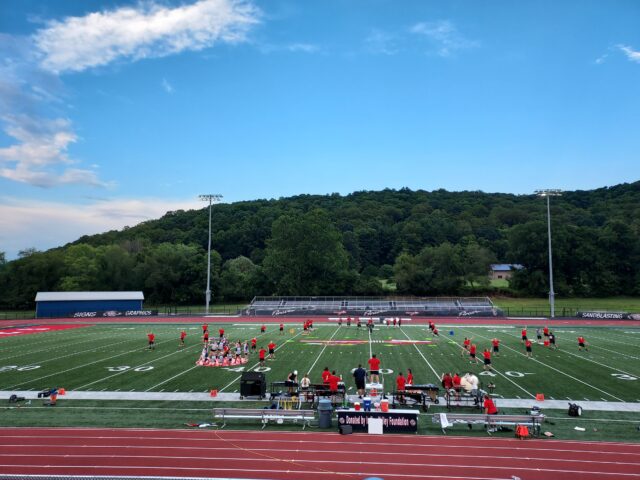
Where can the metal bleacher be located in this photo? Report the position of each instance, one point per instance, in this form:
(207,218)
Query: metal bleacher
(372,306)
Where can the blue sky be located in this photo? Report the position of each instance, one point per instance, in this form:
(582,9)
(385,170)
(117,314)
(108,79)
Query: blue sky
(113,112)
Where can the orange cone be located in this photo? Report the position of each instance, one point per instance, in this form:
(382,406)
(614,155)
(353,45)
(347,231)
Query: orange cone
(540,397)
(61,391)
(214,393)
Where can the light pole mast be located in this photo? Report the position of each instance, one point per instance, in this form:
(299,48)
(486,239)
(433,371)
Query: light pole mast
(211,198)
(550,193)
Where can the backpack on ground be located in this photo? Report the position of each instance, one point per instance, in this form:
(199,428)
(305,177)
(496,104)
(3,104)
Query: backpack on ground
(575,410)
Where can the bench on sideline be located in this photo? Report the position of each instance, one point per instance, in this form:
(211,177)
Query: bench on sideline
(265,415)
(491,422)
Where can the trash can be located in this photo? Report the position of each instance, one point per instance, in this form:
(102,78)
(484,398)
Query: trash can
(325,409)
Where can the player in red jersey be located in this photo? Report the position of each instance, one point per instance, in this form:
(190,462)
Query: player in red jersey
(489,406)
(527,344)
(472,353)
(409,377)
(261,355)
(401,382)
(152,341)
(466,343)
(254,344)
(183,334)
(523,334)
(496,347)
(325,376)
(374,369)
(582,344)
(205,337)
(272,350)
(487,359)
(263,328)
(205,327)
(282,329)
(221,332)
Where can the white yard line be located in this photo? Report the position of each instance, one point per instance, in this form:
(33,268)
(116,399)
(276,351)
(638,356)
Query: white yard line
(560,371)
(617,353)
(322,351)
(169,379)
(56,357)
(80,366)
(586,359)
(255,365)
(505,376)
(132,368)
(423,357)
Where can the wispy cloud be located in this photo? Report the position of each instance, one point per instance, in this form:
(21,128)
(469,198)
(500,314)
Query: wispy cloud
(147,30)
(268,48)
(381,42)
(41,150)
(443,36)
(632,55)
(52,224)
(601,59)
(32,102)
(167,86)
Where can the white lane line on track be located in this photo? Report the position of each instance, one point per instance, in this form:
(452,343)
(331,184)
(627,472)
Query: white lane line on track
(560,371)
(303,473)
(255,365)
(332,462)
(297,450)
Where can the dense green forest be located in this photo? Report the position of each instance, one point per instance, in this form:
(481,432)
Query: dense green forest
(426,243)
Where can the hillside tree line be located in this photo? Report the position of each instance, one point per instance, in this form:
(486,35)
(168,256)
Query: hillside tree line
(426,243)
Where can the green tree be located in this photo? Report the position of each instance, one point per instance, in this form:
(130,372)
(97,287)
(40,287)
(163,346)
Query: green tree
(239,279)
(305,256)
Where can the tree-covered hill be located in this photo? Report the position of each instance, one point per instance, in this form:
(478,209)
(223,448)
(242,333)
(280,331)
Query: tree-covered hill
(428,243)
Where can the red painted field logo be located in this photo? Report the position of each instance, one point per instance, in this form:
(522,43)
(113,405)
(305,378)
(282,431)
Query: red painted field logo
(10,332)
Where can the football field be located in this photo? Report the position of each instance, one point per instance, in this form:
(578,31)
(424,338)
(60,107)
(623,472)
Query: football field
(115,358)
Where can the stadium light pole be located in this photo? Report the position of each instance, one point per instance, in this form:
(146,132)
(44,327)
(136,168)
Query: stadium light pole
(550,193)
(211,198)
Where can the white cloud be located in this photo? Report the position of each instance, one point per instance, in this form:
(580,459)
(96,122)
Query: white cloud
(444,36)
(167,86)
(601,59)
(148,30)
(632,55)
(44,225)
(380,42)
(40,151)
(268,48)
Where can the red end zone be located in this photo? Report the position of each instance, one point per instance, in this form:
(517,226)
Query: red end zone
(12,332)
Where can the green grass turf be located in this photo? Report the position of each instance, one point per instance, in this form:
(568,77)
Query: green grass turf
(114,357)
(617,304)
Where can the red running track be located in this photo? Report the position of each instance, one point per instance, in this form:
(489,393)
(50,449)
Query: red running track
(298,320)
(306,455)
